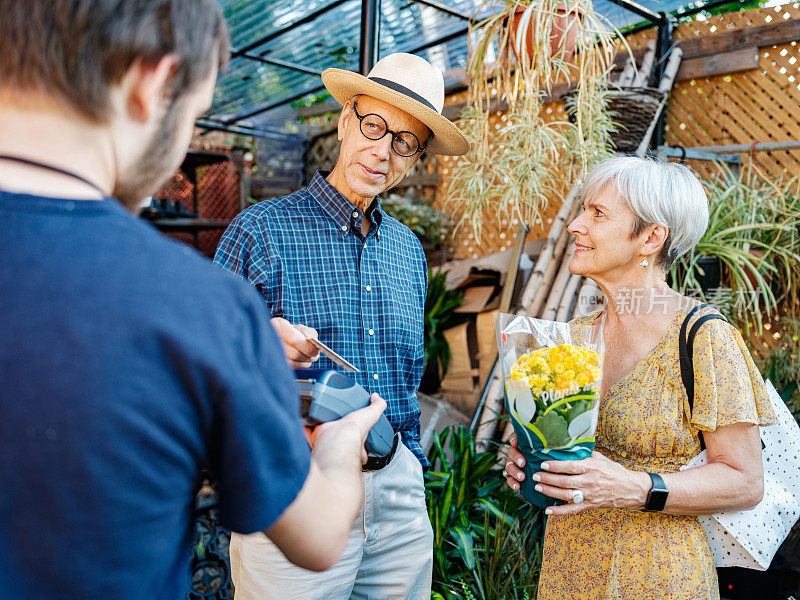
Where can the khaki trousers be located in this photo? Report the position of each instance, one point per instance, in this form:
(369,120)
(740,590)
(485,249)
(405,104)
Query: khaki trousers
(389,554)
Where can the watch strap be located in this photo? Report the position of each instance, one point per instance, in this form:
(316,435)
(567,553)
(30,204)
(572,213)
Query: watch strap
(657,496)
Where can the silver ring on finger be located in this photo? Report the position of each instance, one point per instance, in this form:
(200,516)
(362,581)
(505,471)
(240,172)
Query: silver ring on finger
(577,496)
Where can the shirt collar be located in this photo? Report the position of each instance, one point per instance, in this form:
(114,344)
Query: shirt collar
(339,208)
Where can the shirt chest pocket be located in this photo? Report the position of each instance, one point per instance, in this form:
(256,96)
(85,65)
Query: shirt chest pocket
(404,316)
(318,297)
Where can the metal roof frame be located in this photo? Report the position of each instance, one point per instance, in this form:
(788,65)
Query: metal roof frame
(642,11)
(368,49)
(279,32)
(269,106)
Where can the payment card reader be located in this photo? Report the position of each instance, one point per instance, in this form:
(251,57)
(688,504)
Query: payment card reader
(329,395)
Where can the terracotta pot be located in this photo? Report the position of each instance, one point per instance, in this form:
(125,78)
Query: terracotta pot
(563,36)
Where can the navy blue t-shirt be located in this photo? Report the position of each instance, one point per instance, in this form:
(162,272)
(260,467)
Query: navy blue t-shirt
(127,364)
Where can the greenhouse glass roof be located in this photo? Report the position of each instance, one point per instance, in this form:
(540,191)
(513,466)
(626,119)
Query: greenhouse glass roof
(280,47)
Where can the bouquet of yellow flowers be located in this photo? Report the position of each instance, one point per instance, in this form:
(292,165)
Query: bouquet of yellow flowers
(552,373)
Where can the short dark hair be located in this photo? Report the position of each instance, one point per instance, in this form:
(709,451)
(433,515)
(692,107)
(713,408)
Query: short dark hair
(75,50)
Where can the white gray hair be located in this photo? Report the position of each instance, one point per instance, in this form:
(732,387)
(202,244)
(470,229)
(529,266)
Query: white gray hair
(658,193)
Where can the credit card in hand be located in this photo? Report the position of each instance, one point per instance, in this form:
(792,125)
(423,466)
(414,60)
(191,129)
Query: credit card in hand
(337,358)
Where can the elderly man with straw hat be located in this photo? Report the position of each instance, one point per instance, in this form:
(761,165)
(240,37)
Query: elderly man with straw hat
(330,264)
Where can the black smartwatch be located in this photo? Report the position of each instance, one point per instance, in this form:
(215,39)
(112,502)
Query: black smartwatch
(657,496)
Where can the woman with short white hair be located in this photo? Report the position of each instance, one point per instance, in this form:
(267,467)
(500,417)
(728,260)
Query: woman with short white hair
(630,528)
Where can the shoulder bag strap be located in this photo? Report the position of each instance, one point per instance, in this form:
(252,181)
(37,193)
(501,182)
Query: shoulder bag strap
(685,350)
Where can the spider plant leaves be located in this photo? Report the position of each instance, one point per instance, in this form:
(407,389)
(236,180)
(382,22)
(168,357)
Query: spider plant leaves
(495,510)
(506,562)
(512,173)
(754,230)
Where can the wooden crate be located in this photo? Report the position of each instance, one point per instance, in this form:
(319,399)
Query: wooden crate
(473,349)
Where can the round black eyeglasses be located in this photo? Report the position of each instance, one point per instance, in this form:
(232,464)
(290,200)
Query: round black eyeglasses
(374,127)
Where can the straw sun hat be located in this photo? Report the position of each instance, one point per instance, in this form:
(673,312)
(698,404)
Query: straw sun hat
(407,82)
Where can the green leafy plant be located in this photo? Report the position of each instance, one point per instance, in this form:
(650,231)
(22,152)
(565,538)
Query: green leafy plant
(507,562)
(431,226)
(753,231)
(439,306)
(487,541)
(514,170)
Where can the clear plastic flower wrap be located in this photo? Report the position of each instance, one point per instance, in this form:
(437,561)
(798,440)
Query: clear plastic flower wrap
(551,374)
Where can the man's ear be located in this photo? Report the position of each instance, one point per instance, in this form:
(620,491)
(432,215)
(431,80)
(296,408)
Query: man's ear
(347,111)
(145,85)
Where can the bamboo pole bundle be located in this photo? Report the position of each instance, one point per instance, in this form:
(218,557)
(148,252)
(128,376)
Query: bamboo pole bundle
(568,300)
(535,291)
(551,268)
(643,74)
(559,284)
(549,247)
(670,72)
(532,298)
(491,412)
(588,296)
(628,73)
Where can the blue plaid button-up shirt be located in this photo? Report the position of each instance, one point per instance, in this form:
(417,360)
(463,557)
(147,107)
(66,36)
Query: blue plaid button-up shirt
(365,296)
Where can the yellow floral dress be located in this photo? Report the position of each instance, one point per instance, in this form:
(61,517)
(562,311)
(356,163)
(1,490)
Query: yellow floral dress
(643,424)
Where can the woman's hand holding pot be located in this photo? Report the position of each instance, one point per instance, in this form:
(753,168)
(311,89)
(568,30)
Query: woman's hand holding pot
(594,482)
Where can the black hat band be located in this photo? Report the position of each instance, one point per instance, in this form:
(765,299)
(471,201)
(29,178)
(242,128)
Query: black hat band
(403,90)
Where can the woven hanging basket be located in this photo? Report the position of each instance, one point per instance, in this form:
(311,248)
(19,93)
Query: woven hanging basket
(632,111)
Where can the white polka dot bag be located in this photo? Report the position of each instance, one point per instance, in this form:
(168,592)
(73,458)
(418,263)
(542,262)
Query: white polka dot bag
(750,538)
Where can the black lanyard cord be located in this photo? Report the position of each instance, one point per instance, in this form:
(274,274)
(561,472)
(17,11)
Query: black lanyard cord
(33,163)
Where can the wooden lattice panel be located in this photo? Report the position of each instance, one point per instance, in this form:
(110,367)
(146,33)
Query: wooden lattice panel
(760,105)
(218,198)
(321,155)
(761,345)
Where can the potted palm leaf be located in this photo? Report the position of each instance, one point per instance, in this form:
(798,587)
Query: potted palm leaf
(523,50)
(487,541)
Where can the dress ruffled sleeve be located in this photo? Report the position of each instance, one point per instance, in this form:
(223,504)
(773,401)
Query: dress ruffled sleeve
(728,386)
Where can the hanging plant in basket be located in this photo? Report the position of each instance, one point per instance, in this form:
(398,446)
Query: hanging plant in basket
(524,49)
